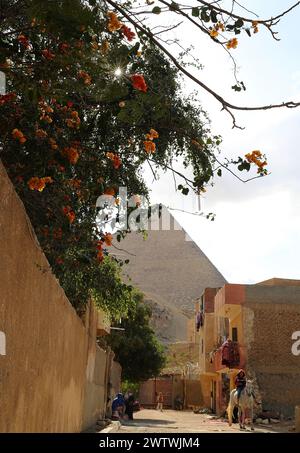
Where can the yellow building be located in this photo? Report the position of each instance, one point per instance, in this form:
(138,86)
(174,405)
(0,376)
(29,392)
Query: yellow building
(249,327)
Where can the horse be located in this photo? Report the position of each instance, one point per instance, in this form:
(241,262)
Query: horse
(245,402)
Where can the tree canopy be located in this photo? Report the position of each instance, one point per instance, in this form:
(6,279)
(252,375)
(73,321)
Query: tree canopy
(137,348)
(92,96)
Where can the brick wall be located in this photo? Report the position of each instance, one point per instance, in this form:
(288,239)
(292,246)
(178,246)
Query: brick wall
(271,315)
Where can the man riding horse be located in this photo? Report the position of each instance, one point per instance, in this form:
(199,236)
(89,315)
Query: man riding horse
(240,383)
(243,397)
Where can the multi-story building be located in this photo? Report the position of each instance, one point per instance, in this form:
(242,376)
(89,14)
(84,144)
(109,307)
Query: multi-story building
(250,327)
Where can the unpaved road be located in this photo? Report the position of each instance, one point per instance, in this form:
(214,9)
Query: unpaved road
(170,421)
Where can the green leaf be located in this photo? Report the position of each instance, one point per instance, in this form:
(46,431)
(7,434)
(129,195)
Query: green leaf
(195,12)
(204,16)
(174,7)
(213,16)
(185,190)
(219,172)
(236,88)
(239,23)
(156,10)
(180,187)
(248,32)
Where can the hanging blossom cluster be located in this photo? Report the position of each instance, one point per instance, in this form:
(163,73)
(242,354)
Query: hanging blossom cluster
(149,145)
(36,183)
(116,161)
(257,158)
(106,240)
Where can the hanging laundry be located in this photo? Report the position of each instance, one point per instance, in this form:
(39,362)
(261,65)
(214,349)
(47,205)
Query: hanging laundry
(230,353)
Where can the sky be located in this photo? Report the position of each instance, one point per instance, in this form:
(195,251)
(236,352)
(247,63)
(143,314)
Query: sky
(255,235)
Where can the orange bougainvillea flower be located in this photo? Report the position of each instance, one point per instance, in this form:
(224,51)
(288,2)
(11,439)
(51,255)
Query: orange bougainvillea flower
(48,54)
(75,183)
(100,255)
(127,32)
(36,183)
(67,210)
(152,134)
(73,122)
(232,43)
(150,147)
(71,153)
(110,191)
(24,41)
(117,162)
(18,135)
(257,158)
(113,22)
(47,179)
(255,26)
(40,133)
(53,143)
(110,155)
(220,26)
(138,82)
(108,238)
(87,80)
(63,47)
(46,118)
(71,216)
(214,33)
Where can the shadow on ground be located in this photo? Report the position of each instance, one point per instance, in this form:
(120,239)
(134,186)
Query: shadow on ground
(147,422)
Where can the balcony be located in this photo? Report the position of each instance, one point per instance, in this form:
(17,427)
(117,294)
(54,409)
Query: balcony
(235,358)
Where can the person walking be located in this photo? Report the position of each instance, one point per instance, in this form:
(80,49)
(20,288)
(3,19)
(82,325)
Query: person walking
(160,401)
(129,401)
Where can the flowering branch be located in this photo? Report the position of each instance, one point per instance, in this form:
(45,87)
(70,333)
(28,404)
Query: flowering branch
(226,105)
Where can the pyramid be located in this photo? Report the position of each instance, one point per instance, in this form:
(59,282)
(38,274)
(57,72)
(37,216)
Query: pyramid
(172,271)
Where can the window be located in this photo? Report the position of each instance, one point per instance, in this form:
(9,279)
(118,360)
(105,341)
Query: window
(234,334)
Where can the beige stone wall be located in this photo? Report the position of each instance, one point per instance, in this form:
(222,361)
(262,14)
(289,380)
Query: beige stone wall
(193,394)
(270,316)
(52,376)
